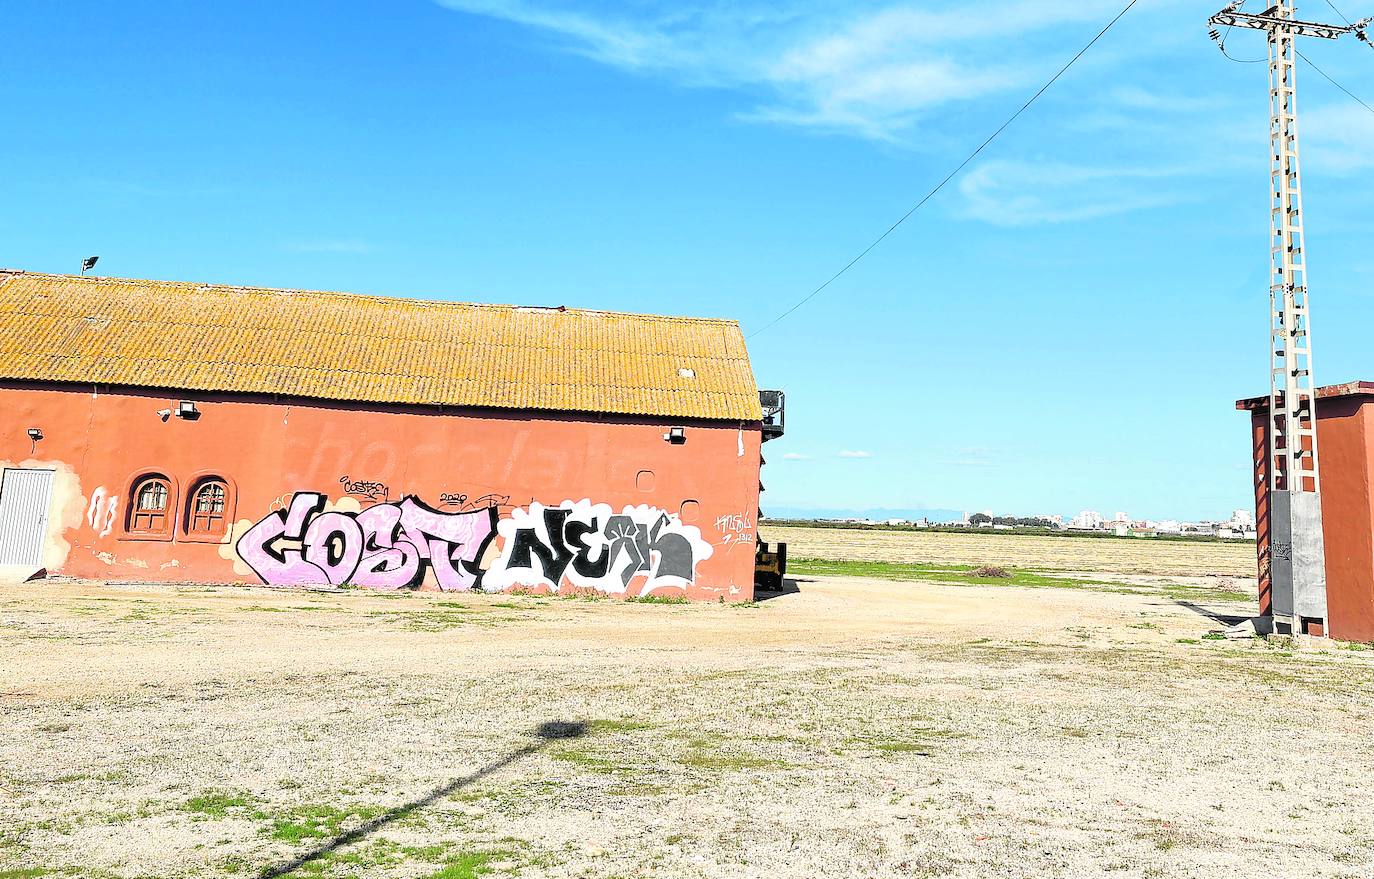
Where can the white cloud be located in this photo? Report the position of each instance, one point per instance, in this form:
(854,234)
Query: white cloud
(854,454)
(796,456)
(1018,193)
(859,68)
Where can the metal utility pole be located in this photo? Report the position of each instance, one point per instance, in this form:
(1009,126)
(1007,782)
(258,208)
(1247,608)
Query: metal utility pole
(1297,557)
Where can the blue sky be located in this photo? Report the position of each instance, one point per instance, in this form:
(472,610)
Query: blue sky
(1066,326)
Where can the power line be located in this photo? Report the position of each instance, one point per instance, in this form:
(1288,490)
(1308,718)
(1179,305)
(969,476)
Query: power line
(1328,78)
(962,165)
(1338,12)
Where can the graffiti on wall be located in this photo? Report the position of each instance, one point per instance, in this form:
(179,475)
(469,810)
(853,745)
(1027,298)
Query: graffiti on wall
(369,489)
(386,546)
(589,546)
(101,512)
(576,545)
(735,529)
(460,500)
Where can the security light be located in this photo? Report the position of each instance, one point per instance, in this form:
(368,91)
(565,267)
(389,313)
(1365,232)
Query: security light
(35,434)
(187,409)
(676,435)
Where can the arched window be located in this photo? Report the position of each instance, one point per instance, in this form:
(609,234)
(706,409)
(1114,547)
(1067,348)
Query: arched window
(148,508)
(205,511)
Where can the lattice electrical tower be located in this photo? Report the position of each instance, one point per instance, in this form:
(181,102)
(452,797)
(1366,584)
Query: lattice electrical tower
(1297,558)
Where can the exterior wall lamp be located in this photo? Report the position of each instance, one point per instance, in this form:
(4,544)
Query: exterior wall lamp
(676,435)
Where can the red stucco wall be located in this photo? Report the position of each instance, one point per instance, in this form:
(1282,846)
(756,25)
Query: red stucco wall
(638,486)
(1345,445)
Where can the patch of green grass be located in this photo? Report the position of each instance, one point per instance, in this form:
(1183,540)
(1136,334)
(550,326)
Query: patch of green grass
(216,804)
(468,865)
(702,754)
(318,821)
(971,575)
(23,873)
(621,725)
(658,599)
(588,761)
(960,574)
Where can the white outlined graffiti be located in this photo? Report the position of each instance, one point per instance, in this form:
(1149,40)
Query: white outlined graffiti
(102,511)
(386,546)
(576,545)
(582,545)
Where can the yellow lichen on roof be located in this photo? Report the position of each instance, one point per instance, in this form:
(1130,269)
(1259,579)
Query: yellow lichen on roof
(375,349)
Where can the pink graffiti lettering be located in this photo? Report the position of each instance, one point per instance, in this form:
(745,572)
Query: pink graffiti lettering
(387,546)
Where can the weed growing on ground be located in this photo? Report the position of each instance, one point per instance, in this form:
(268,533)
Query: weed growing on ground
(216,803)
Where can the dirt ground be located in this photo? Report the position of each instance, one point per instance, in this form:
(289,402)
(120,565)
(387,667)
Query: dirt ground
(1126,555)
(854,728)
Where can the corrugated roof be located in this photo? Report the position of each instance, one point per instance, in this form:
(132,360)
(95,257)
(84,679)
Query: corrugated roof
(377,349)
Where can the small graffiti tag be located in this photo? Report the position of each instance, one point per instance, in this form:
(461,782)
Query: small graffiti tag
(735,529)
(364,488)
(459,500)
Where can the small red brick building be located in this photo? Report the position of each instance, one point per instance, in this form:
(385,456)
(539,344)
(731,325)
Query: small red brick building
(1345,449)
(166,431)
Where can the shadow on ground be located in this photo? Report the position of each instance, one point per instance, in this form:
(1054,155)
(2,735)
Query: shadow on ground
(789,587)
(547,732)
(1221,619)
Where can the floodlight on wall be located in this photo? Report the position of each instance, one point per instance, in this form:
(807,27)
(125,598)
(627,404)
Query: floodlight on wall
(676,435)
(186,409)
(34,436)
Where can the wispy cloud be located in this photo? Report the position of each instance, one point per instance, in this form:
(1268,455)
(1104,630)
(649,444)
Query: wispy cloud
(796,456)
(1019,193)
(859,68)
(847,453)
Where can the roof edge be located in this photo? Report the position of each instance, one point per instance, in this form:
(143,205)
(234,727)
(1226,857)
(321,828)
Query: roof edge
(1348,389)
(6,273)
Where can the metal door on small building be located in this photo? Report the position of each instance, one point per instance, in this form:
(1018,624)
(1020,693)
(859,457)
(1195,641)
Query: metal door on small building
(24,497)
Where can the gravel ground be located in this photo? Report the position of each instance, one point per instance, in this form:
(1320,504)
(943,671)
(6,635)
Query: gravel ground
(855,728)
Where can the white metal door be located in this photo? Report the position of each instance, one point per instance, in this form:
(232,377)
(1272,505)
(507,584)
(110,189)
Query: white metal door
(24,496)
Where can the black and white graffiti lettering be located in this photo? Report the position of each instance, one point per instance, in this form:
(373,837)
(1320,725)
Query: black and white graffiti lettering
(589,546)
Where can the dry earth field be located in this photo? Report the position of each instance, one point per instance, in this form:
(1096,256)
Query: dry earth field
(857,728)
(1131,555)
